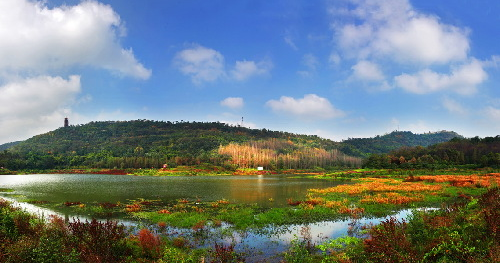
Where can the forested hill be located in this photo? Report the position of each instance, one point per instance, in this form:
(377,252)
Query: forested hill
(138,137)
(363,147)
(145,143)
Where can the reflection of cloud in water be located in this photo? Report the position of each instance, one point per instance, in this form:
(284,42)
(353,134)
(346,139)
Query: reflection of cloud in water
(321,231)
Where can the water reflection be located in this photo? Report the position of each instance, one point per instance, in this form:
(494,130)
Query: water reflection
(113,188)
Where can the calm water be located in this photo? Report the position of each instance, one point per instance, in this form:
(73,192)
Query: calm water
(59,188)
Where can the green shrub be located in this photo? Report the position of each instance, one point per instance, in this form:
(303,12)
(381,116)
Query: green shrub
(298,252)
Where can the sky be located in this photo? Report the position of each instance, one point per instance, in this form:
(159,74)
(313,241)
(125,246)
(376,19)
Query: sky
(337,69)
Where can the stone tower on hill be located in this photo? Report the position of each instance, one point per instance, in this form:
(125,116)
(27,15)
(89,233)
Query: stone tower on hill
(66,122)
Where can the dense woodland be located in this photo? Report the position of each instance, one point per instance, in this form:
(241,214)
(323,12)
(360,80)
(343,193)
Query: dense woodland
(153,144)
(474,152)
(145,144)
(364,147)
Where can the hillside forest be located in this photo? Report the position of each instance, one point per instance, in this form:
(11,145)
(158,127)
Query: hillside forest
(157,144)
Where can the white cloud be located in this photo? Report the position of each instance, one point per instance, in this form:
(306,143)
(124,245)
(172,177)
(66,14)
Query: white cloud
(207,65)
(454,107)
(394,28)
(35,105)
(309,107)
(36,38)
(394,34)
(40,95)
(202,64)
(462,80)
(233,102)
(37,44)
(368,71)
(246,69)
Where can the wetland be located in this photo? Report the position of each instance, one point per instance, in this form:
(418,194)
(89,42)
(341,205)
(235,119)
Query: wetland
(247,218)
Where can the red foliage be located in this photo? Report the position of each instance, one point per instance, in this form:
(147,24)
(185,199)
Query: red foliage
(108,205)
(491,211)
(98,241)
(293,203)
(388,242)
(225,254)
(150,243)
(198,226)
(72,203)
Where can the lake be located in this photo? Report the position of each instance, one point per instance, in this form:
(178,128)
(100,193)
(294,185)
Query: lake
(85,188)
(88,188)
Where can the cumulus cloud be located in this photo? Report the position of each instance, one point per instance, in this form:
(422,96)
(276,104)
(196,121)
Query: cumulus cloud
(309,107)
(369,71)
(37,38)
(39,43)
(202,64)
(233,102)
(463,79)
(207,65)
(394,28)
(35,104)
(246,69)
(394,34)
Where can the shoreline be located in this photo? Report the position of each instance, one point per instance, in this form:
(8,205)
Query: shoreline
(177,171)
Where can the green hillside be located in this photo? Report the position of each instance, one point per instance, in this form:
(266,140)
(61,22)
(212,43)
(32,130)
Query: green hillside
(363,147)
(145,143)
(150,138)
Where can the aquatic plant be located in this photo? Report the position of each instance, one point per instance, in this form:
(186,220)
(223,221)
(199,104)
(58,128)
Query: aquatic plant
(225,254)
(342,249)
(298,252)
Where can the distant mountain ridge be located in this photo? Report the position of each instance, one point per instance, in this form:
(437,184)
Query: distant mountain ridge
(8,145)
(363,147)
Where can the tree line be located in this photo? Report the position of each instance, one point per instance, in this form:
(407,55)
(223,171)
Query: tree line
(476,152)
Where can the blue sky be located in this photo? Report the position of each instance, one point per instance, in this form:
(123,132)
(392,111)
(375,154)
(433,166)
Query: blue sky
(336,69)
